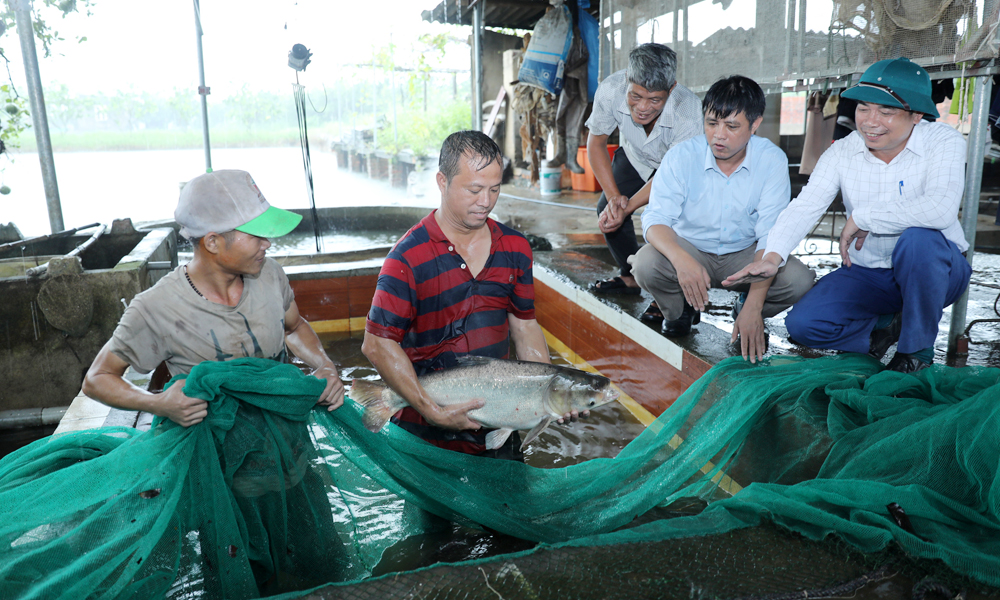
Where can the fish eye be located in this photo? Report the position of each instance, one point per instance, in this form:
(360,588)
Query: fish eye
(592,403)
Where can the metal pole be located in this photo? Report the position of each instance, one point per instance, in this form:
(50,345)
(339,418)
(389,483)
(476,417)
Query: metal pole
(684,47)
(39,118)
(477,66)
(203,90)
(802,35)
(978,138)
(374,106)
(611,37)
(677,16)
(789,28)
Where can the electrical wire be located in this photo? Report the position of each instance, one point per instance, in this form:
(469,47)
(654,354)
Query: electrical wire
(300,110)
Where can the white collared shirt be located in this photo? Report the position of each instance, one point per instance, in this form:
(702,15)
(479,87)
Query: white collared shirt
(921,187)
(680,120)
(716,213)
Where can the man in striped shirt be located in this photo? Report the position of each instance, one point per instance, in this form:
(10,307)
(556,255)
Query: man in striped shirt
(902,181)
(652,113)
(457,283)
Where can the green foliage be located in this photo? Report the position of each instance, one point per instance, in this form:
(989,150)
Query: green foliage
(422,132)
(15,120)
(184,104)
(429,55)
(44,11)
(159,139)
(250,107)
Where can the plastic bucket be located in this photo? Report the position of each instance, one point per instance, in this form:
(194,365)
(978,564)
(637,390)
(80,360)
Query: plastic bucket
(550,180)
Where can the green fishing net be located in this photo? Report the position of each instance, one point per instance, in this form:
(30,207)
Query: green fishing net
(268,496)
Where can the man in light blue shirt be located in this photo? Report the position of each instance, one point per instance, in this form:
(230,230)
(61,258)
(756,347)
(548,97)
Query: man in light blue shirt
(713,201)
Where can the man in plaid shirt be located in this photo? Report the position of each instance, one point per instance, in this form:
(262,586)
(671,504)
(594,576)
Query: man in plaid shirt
(902,181)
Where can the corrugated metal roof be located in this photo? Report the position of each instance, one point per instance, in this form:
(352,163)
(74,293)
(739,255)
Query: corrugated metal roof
(513,14)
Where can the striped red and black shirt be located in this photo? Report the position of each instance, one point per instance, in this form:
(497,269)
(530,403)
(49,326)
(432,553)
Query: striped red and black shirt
(427,300)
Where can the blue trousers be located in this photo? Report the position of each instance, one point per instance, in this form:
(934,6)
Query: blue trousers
(840,311)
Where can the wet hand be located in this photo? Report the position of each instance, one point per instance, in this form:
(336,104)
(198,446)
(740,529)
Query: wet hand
(613,215)
(756,271)
(456,416)
(694,281)
(333,395)
(573,416)
(851,231)
(181,409)
(608,222)
(749,329)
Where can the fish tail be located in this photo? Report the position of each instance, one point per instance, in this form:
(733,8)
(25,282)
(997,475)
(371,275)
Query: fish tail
(377,408)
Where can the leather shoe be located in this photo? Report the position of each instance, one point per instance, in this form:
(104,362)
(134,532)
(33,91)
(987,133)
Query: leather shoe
(883,339)
(681,326)
(906,363)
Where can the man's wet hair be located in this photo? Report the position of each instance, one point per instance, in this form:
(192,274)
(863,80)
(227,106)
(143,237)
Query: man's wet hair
(733,95)
(652,66)
(480,148)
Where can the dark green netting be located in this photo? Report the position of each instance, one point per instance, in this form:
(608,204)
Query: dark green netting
(268,496)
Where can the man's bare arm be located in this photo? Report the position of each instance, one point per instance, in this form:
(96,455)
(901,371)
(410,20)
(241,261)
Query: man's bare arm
(397,372)
(529,341)
(749,324)
(530,344)
(104,383)
(305,344)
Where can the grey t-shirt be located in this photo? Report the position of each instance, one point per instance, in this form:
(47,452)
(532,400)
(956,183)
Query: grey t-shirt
(171,322)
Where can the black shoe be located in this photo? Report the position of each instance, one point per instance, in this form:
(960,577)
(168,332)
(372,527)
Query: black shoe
(882,339)
(652,314)
(738,304)
(906,363)
(681,326)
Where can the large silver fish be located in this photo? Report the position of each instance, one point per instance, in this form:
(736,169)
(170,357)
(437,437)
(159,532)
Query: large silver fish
(518,395)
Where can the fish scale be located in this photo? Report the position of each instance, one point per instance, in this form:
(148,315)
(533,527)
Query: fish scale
(518,394)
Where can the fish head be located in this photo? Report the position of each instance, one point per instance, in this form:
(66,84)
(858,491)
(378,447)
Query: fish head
(576,390)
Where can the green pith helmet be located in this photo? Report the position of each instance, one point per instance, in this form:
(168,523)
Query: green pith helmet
(895,82)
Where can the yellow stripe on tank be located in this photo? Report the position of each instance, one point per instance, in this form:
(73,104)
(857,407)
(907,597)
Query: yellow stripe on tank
(723,481)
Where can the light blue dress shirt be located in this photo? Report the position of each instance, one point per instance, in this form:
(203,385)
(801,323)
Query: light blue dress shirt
(716,213)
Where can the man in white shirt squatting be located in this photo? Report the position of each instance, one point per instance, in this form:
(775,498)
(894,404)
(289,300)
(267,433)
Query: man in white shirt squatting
(901,179)
(652,114)
(713,201)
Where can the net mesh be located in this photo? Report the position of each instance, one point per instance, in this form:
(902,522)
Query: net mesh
(269,497)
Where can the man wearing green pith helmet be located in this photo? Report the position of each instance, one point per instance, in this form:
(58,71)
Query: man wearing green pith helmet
(902,180)
(230,301)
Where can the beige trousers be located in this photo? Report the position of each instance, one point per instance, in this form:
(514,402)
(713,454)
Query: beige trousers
(656,275)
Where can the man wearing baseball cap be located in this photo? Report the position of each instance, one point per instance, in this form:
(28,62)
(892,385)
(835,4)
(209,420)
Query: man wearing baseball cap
(902,180)
(230,301)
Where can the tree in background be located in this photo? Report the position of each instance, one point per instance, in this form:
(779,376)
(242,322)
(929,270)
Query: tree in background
(14,120)
(184,106)
(250,107)
(128,108)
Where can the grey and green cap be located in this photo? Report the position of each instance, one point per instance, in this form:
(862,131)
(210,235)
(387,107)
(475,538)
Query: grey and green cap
(896,82)
(225,200)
